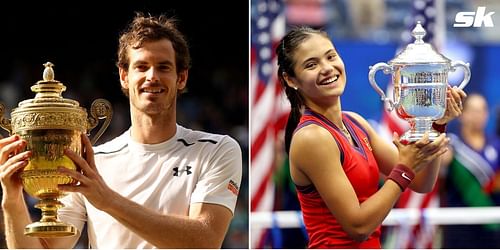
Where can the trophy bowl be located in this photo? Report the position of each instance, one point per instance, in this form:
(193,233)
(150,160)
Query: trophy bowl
(50,124)
(420,79)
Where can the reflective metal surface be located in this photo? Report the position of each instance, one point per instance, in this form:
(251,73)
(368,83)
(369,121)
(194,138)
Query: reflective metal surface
(420,79)
(50,124)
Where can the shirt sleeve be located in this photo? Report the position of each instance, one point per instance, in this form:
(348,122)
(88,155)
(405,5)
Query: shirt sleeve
(74,211)
(219,182)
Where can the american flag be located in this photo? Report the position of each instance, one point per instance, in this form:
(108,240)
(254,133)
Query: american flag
(268,105)
(422,235)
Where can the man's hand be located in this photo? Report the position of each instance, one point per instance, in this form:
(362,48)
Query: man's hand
(88,181)
(11,163)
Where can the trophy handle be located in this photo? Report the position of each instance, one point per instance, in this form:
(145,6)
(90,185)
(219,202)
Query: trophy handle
(100,109)
(371,77)
(466,68)
(5,122)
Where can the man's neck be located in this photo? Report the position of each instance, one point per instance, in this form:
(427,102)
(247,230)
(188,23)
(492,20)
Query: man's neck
(152,129)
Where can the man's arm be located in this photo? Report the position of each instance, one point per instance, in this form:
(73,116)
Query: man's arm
(16,217)
(204,227)
(15,211)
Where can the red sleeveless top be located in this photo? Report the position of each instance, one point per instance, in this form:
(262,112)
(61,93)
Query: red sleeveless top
(362,171)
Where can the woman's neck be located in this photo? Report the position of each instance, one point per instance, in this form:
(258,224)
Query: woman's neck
(331,112)
(474,137)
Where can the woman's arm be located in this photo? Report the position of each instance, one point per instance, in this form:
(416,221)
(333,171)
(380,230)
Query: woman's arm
(387,156)
(315,158)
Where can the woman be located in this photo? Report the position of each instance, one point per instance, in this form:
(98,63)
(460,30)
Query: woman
(336,156)
(471,176)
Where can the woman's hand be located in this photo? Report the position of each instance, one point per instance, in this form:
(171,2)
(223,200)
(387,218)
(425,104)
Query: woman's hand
(419,154)
(454,107)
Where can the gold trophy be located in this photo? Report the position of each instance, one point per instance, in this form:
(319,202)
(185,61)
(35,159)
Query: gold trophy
(50,123)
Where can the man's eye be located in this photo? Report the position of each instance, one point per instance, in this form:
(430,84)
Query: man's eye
(142,68)
(164,68)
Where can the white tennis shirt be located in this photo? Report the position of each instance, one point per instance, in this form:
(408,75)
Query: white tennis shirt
(191,167)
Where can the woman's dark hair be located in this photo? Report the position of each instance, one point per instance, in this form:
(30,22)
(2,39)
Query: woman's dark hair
(285,52)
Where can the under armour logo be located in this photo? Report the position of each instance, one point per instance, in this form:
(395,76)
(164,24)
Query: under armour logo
(178,172)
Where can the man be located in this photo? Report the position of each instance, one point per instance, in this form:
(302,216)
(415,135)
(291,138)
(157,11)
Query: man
(156,185)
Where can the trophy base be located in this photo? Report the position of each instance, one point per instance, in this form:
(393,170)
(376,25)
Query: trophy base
(412,136)
(49,229)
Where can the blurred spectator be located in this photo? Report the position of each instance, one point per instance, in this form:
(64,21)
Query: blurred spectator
(469,169)
(366,16)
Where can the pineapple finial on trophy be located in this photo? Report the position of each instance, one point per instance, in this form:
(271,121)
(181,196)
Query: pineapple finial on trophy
(48,72)
(48,87)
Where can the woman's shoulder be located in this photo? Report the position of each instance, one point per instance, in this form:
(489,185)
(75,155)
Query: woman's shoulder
(311,143)
(357,118)
(311,131)
(354,115)
(360,121)
(312,134)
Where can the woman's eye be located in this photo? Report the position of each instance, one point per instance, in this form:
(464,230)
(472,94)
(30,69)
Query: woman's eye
(310,65)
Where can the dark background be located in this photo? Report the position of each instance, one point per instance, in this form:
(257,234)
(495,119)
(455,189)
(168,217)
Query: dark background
(81,39)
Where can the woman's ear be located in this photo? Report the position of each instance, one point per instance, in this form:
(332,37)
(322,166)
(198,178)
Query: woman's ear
(290,81)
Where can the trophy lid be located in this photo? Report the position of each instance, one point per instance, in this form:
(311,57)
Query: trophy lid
(48,92)
(48,110)
(419,52)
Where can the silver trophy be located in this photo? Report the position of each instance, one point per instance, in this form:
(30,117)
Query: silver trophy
(420,78)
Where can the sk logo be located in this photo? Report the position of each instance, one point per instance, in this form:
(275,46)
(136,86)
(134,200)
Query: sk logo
(178,172)
(474,19)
